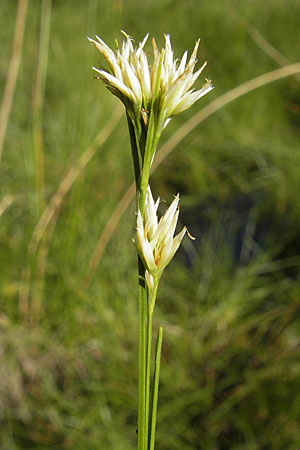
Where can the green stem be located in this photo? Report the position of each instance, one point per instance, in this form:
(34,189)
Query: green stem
(142,357)
(151,303)
(151,139)
(134,150)
(153,135)
(155,387)
(148,374)
(142,291)
(145,178)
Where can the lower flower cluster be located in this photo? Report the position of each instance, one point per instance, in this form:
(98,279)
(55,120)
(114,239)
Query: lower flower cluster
(155,239)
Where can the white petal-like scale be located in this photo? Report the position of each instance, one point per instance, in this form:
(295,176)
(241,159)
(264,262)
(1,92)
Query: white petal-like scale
(191,97)
(193,58)
(143,244)
(142,45)
(182,64)
(172,209)
(166,227)
(132,80)
(149,280)
(165,256)
(194,77)
(150,214)
(144,76)
(148,256)
(172,223)
(110,80)
(140,229)
(176,242)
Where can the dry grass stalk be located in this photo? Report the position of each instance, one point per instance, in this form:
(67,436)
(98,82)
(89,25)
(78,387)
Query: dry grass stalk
(13,70)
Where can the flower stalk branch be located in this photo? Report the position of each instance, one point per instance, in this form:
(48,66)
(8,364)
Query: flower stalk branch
(151,303)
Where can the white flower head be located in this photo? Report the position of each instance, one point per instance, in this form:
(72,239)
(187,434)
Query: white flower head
(167,82)
(155,239)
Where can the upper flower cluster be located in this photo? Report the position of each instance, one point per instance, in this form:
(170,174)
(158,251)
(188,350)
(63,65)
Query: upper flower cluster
(167,81)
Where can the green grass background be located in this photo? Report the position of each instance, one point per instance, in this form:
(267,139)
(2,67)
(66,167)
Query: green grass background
(229,301)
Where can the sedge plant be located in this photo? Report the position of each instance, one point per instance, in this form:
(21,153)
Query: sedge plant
(152,93)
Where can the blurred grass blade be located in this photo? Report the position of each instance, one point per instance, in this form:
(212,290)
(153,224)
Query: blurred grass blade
(38,147)
(260,40)
(106,234)
(5,203)
(13,70)
(38,101)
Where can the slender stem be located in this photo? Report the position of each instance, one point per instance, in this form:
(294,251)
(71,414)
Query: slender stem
(141,302)
(134,150)
(151,142)
(142,356)
(142,418)
(140,200)
(144,179)
(148,374)
(155,387)
(142,292)
(151,303)
(153,135)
